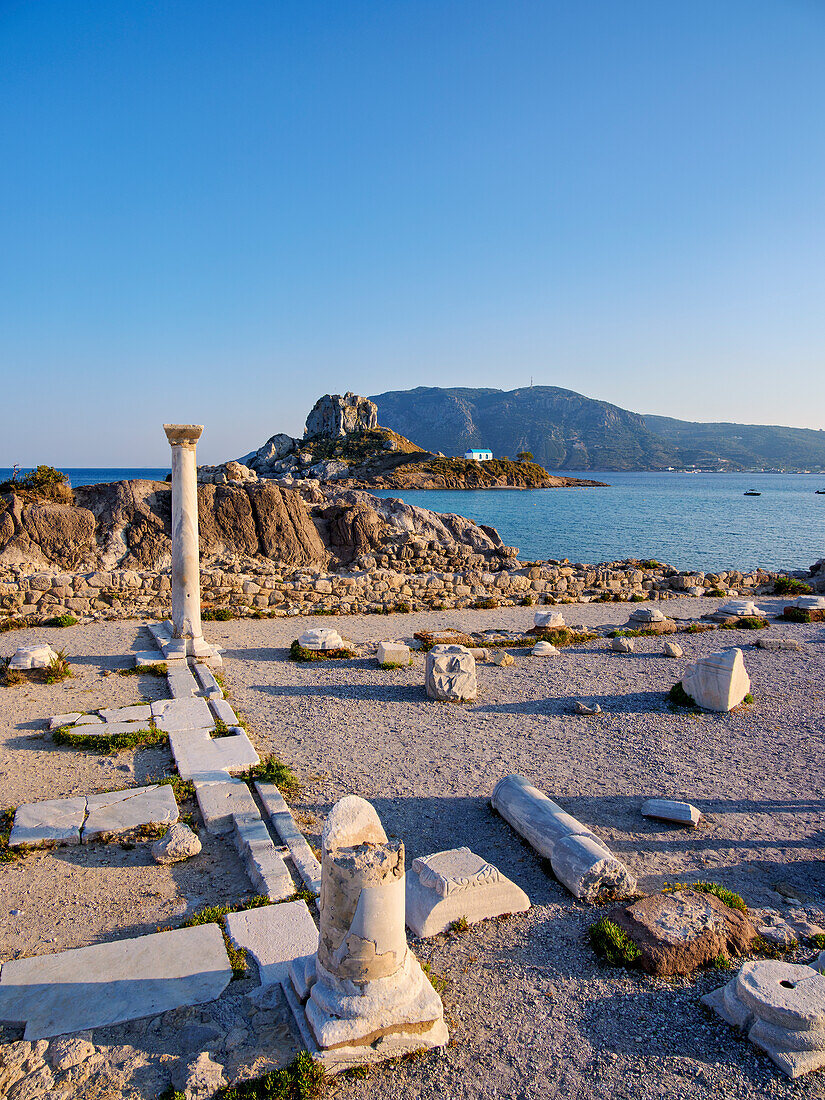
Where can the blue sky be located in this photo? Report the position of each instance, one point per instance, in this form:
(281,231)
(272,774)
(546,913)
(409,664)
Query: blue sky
(215,212)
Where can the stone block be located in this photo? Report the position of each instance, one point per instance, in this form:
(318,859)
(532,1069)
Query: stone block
(206,679)
(45,824)
(393,653)
(32,656)
(502,658)
(60,720)
(778,644)
(89,720)
(199,756)
(719,682)
(647,615)
(274,936)
(321,639)
(544,649)
(182,714)
(219,800)
(110,983)
(665,810)
(141,713)
(146,657)
(672,649)
(223,711)
(455,884)
(106,729)
(300,852)
(182,684)
(622,645)
(450,674)
(178,843)
(121,811)
(548,620)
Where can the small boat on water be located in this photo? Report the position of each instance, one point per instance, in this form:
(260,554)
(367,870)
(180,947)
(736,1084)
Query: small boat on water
(820,492)
(755,493)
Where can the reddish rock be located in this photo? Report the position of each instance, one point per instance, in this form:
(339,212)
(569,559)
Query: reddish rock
(678,932)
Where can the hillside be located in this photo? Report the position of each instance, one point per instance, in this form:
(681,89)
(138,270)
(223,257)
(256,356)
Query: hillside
(567,431)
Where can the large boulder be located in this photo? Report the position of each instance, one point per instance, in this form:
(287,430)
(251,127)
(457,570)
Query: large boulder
(678,932)
(334,417)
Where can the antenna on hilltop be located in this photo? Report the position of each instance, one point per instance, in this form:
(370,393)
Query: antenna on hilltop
(531,381)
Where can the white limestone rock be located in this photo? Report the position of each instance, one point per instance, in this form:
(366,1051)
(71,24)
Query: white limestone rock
(719,682)
(450,674)
(622,645)
(544,649)
(198,1078)
(178,843)
(321,639)
(811,603)
(778,644)
(448,886)
(60,720)
(548,620)
(32,656)
(647,615)
(672,649)
(666,810)
(393,653)
(740,608)
(582,708)
(502,658)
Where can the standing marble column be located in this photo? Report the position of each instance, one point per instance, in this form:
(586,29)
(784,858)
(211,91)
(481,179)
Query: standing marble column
(186,570)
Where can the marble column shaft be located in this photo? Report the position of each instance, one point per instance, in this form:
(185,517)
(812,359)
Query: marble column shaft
(186,592)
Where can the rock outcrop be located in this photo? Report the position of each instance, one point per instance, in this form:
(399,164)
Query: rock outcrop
(334,416)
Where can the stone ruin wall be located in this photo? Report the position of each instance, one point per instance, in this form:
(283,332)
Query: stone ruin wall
(256,587)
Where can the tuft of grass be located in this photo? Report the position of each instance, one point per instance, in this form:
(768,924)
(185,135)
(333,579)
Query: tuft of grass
(214,914)
(272,770)
(733,901)
(158,669)
(60,620)
(698,628)
(460,925)
(402,608)
(527,601)
(796,615)
(388,666)
(9,676)
(613,944)
(97,742)
(678,697)
(747,622)
(302,1079)
(720,962)
(217,615)
(182,789)
(637,597)
(650,563)
(790,586)
(718,592)
(437,981)
(298,653)
(748,698)
(59,668)
(7,854)
(818,940)
(485,605)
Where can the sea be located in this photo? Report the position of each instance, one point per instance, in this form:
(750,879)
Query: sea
(698,521)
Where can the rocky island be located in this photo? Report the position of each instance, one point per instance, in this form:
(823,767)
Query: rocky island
(344,444)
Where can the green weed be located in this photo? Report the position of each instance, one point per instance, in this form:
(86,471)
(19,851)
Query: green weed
(298,653)
(96,742)
(302,1079)
(272,770)
(678,697)
(790,586)
(158,669)
(60,620)
(613,944)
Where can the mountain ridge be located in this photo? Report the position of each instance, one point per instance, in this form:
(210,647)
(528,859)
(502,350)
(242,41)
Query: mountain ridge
(566,430)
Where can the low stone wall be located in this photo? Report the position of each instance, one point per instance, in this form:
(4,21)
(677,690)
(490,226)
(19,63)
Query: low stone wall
(256,587)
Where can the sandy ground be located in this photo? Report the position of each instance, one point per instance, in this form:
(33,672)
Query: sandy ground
(532,1012)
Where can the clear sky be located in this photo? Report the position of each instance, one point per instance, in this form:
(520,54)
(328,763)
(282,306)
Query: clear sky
(217,211)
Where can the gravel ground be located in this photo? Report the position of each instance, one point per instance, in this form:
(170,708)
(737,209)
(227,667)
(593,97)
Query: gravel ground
(532,1012)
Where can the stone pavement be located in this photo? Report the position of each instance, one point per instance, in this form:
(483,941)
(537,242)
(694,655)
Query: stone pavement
(78,820)
(111,982)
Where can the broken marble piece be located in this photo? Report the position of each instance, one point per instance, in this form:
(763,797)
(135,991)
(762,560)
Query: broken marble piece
(622,645)
(321,639)
(782,1007)
(198,1077)
(363,996)
(680,931)
(647,615)
(502,658)
(200,756)
(122,811)
(579,859)
(544,649)
(274,935)
(45,824)
(740,609)
(778,644)
(548,620)
(810,603)
(450,674)
(454,885)
(60,720)
(666,810)
(393,653)
(32,656)
(109,983)
(179,842)
(719,682)
(672,649)
(583,708)
(220,799)
(89,720)
(182,714)
(140,713)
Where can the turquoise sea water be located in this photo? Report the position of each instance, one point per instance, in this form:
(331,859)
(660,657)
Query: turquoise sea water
(691,521)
